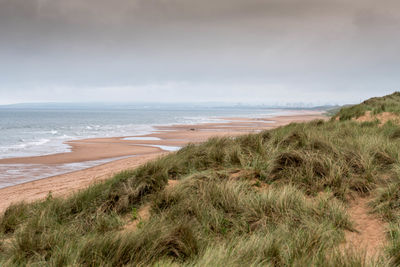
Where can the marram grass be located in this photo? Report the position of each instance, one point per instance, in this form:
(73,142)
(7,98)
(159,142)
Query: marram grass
(277,198)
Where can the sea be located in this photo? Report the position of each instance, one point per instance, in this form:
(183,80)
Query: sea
(42,129)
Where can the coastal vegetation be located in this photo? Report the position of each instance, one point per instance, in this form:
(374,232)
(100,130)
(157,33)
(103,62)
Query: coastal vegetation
(276,198)
(375,106)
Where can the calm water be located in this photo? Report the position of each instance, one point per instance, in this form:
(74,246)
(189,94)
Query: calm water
(32,131)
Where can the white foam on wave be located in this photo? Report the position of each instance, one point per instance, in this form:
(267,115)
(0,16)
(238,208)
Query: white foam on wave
(39,142)
(25,144)
(53,141)
(43,146)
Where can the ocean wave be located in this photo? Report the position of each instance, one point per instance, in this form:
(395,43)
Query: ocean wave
(25,144)
(52,141)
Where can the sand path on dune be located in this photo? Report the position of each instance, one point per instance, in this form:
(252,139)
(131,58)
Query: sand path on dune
(370,236)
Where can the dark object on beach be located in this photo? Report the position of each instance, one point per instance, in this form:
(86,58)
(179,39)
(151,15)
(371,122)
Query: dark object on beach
(192,129)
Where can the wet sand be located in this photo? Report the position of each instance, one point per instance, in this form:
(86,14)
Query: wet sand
(136,152)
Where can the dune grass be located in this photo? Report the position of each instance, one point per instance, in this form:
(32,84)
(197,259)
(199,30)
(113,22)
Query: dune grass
(376,105)
(277,198)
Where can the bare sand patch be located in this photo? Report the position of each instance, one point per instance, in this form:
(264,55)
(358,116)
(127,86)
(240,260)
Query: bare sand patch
(143,213)
(370,234)
(381,117)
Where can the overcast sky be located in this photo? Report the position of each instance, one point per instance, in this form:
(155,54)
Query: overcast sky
(261,51)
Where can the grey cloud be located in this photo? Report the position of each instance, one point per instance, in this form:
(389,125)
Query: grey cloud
(326,45)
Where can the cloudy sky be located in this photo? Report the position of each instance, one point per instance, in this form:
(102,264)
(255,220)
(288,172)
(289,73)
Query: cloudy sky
(256,51)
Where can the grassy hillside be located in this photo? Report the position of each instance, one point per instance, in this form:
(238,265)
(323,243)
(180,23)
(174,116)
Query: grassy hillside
(376,105)
(276,198)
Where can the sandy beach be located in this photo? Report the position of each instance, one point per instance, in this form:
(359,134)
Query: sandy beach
(136,151)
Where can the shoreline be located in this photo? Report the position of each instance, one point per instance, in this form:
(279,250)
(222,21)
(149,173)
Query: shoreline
(101,148)
(135,153)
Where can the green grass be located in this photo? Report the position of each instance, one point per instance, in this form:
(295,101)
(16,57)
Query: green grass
(286,205)
(376,105)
